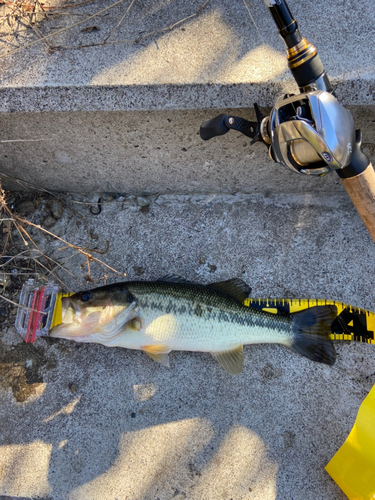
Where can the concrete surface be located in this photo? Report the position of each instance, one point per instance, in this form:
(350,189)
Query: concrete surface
(153,151)
(221,47)
(86,422)
(221,58)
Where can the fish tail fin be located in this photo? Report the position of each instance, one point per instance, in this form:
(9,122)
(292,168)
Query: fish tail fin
(311,331)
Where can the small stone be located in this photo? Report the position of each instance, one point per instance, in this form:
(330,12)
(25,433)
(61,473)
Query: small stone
(14,311)
(133,415)
(143,201)
(144,392)
(212,268)
(107,197)
(26,208)
(94,236)
(72,387)
(49,221)
(202,260)
(119,197)
(3,312)
(130,203)
(57,209)
(145,210)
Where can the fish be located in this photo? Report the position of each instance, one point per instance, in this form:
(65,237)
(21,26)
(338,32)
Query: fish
(172,314)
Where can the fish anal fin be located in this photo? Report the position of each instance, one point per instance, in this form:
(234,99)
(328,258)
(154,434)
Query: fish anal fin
(235,287)
(231,361)
(158,352)
(312,329)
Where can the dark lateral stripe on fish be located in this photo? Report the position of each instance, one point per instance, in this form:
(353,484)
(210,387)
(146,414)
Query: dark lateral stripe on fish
(206,312)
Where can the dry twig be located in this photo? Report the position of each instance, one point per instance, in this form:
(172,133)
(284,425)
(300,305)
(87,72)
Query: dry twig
(46,37)
(106,40)
(20,224)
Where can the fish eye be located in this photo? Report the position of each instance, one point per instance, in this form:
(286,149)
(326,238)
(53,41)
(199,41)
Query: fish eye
(85,296)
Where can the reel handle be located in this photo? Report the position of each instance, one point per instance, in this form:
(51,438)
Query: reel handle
(214,127)
(220,125)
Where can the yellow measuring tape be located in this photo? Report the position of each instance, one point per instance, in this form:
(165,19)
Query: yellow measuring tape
(351,324)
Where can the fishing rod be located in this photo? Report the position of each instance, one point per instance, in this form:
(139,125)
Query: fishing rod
(310,133)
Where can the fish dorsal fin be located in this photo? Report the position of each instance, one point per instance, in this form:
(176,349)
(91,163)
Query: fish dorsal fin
(235,287)
(175,279)
(231,361)
(158,353)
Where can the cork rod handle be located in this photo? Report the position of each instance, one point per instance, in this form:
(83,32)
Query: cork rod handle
(361,189)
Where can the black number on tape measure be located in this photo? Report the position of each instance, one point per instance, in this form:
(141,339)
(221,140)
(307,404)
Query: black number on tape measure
(352,323)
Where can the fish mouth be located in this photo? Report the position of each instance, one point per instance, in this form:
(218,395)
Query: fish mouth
(70,316)
(69,311)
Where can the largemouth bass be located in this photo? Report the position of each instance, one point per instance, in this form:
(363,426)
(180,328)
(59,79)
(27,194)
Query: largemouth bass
(175,315)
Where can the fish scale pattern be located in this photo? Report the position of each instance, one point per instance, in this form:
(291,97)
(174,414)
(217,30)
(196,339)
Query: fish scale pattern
(190,317)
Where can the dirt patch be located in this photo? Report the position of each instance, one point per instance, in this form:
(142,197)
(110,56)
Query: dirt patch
(21,369)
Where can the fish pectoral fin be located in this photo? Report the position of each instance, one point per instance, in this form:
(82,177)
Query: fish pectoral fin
(158,352)
(231,361)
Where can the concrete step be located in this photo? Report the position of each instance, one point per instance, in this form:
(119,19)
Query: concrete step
(216,58)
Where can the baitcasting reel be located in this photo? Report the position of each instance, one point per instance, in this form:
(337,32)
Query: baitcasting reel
(310,133)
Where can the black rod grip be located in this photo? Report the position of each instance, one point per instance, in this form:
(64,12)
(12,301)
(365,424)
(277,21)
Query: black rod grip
(359,161)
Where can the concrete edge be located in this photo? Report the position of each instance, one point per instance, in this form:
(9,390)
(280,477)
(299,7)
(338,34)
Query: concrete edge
(168,97)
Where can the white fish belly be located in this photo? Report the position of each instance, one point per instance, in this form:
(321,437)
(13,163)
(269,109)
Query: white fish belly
(186,332)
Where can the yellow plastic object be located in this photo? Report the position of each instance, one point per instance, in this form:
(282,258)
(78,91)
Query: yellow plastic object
(57,313)
(353,466)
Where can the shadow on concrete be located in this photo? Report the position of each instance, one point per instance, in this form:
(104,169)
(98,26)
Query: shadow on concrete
(220,45)
(112,424)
